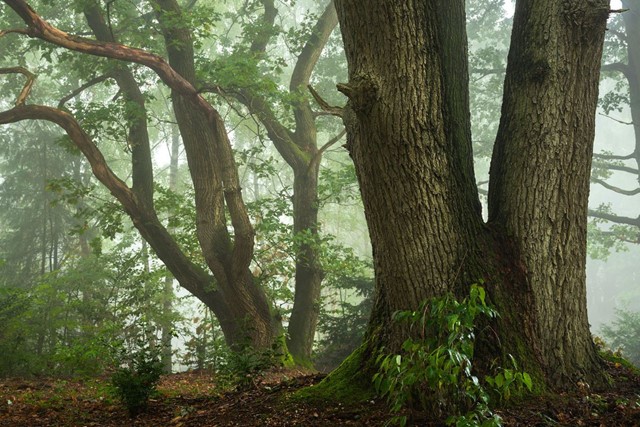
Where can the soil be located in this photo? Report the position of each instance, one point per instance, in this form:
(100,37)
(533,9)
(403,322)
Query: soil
(197,399)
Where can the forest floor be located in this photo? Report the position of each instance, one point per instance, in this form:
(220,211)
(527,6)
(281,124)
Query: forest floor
(195,399)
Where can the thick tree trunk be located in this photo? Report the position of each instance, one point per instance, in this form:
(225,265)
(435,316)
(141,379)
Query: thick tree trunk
(540,173)
(408,134)
(411,147)
(217,191)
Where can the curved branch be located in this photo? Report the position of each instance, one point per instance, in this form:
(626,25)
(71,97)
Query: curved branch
(318,155)
(41,29)
(620,67)
(616,120)
(23,31)
(191,277)
(616,189)
(308,57)
(615,218)
(613,157)
(334,111)
(26,89)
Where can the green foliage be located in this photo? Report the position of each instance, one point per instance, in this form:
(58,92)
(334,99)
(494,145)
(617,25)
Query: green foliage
(623,334)
(135,382)
(433,371)
(604,237)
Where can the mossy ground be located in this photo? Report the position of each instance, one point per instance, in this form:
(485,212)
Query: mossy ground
(284,398)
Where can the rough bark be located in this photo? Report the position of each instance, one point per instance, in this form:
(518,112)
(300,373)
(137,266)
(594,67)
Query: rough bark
(407,141)
(540,172)
(408,134)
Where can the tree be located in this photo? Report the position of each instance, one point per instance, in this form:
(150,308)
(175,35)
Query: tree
(241,72)
(407,120)
(297,143)
(228,286)
(621,66)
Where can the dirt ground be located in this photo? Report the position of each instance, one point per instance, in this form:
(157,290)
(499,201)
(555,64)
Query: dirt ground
(194,399)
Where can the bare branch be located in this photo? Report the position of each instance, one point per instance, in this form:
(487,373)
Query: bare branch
(613,157)
(31,78)
(616,167)
(331,142)
(87,85)
(23,31)
(616,120)
(620,67)
(334,111)
(615,218)
(616,189)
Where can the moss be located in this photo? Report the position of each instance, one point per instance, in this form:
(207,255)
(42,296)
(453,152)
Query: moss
(612,357)
(348,383)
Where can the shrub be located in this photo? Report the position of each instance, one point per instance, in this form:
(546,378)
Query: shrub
(136,382)
(434,371)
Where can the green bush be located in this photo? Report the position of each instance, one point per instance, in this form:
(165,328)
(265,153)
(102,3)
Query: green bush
(433,372)
(136,382)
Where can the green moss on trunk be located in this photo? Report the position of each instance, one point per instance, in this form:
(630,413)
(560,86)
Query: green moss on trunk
(349,383)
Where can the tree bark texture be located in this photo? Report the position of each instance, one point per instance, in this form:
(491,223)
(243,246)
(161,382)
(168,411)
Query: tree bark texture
(540,171)
(408,134)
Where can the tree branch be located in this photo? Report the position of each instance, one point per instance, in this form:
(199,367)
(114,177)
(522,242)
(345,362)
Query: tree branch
(616,66)
(334,111)
(26,89)
(613,157)
(616,120)
(308,57)
(615,218)
(616,189)
(616,167)
(39,28)
(191,277)
(94,81)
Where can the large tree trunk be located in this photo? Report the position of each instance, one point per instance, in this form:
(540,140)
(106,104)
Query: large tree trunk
(540,173)
(408,133)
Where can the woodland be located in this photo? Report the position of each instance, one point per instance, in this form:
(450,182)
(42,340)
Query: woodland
(296,212)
